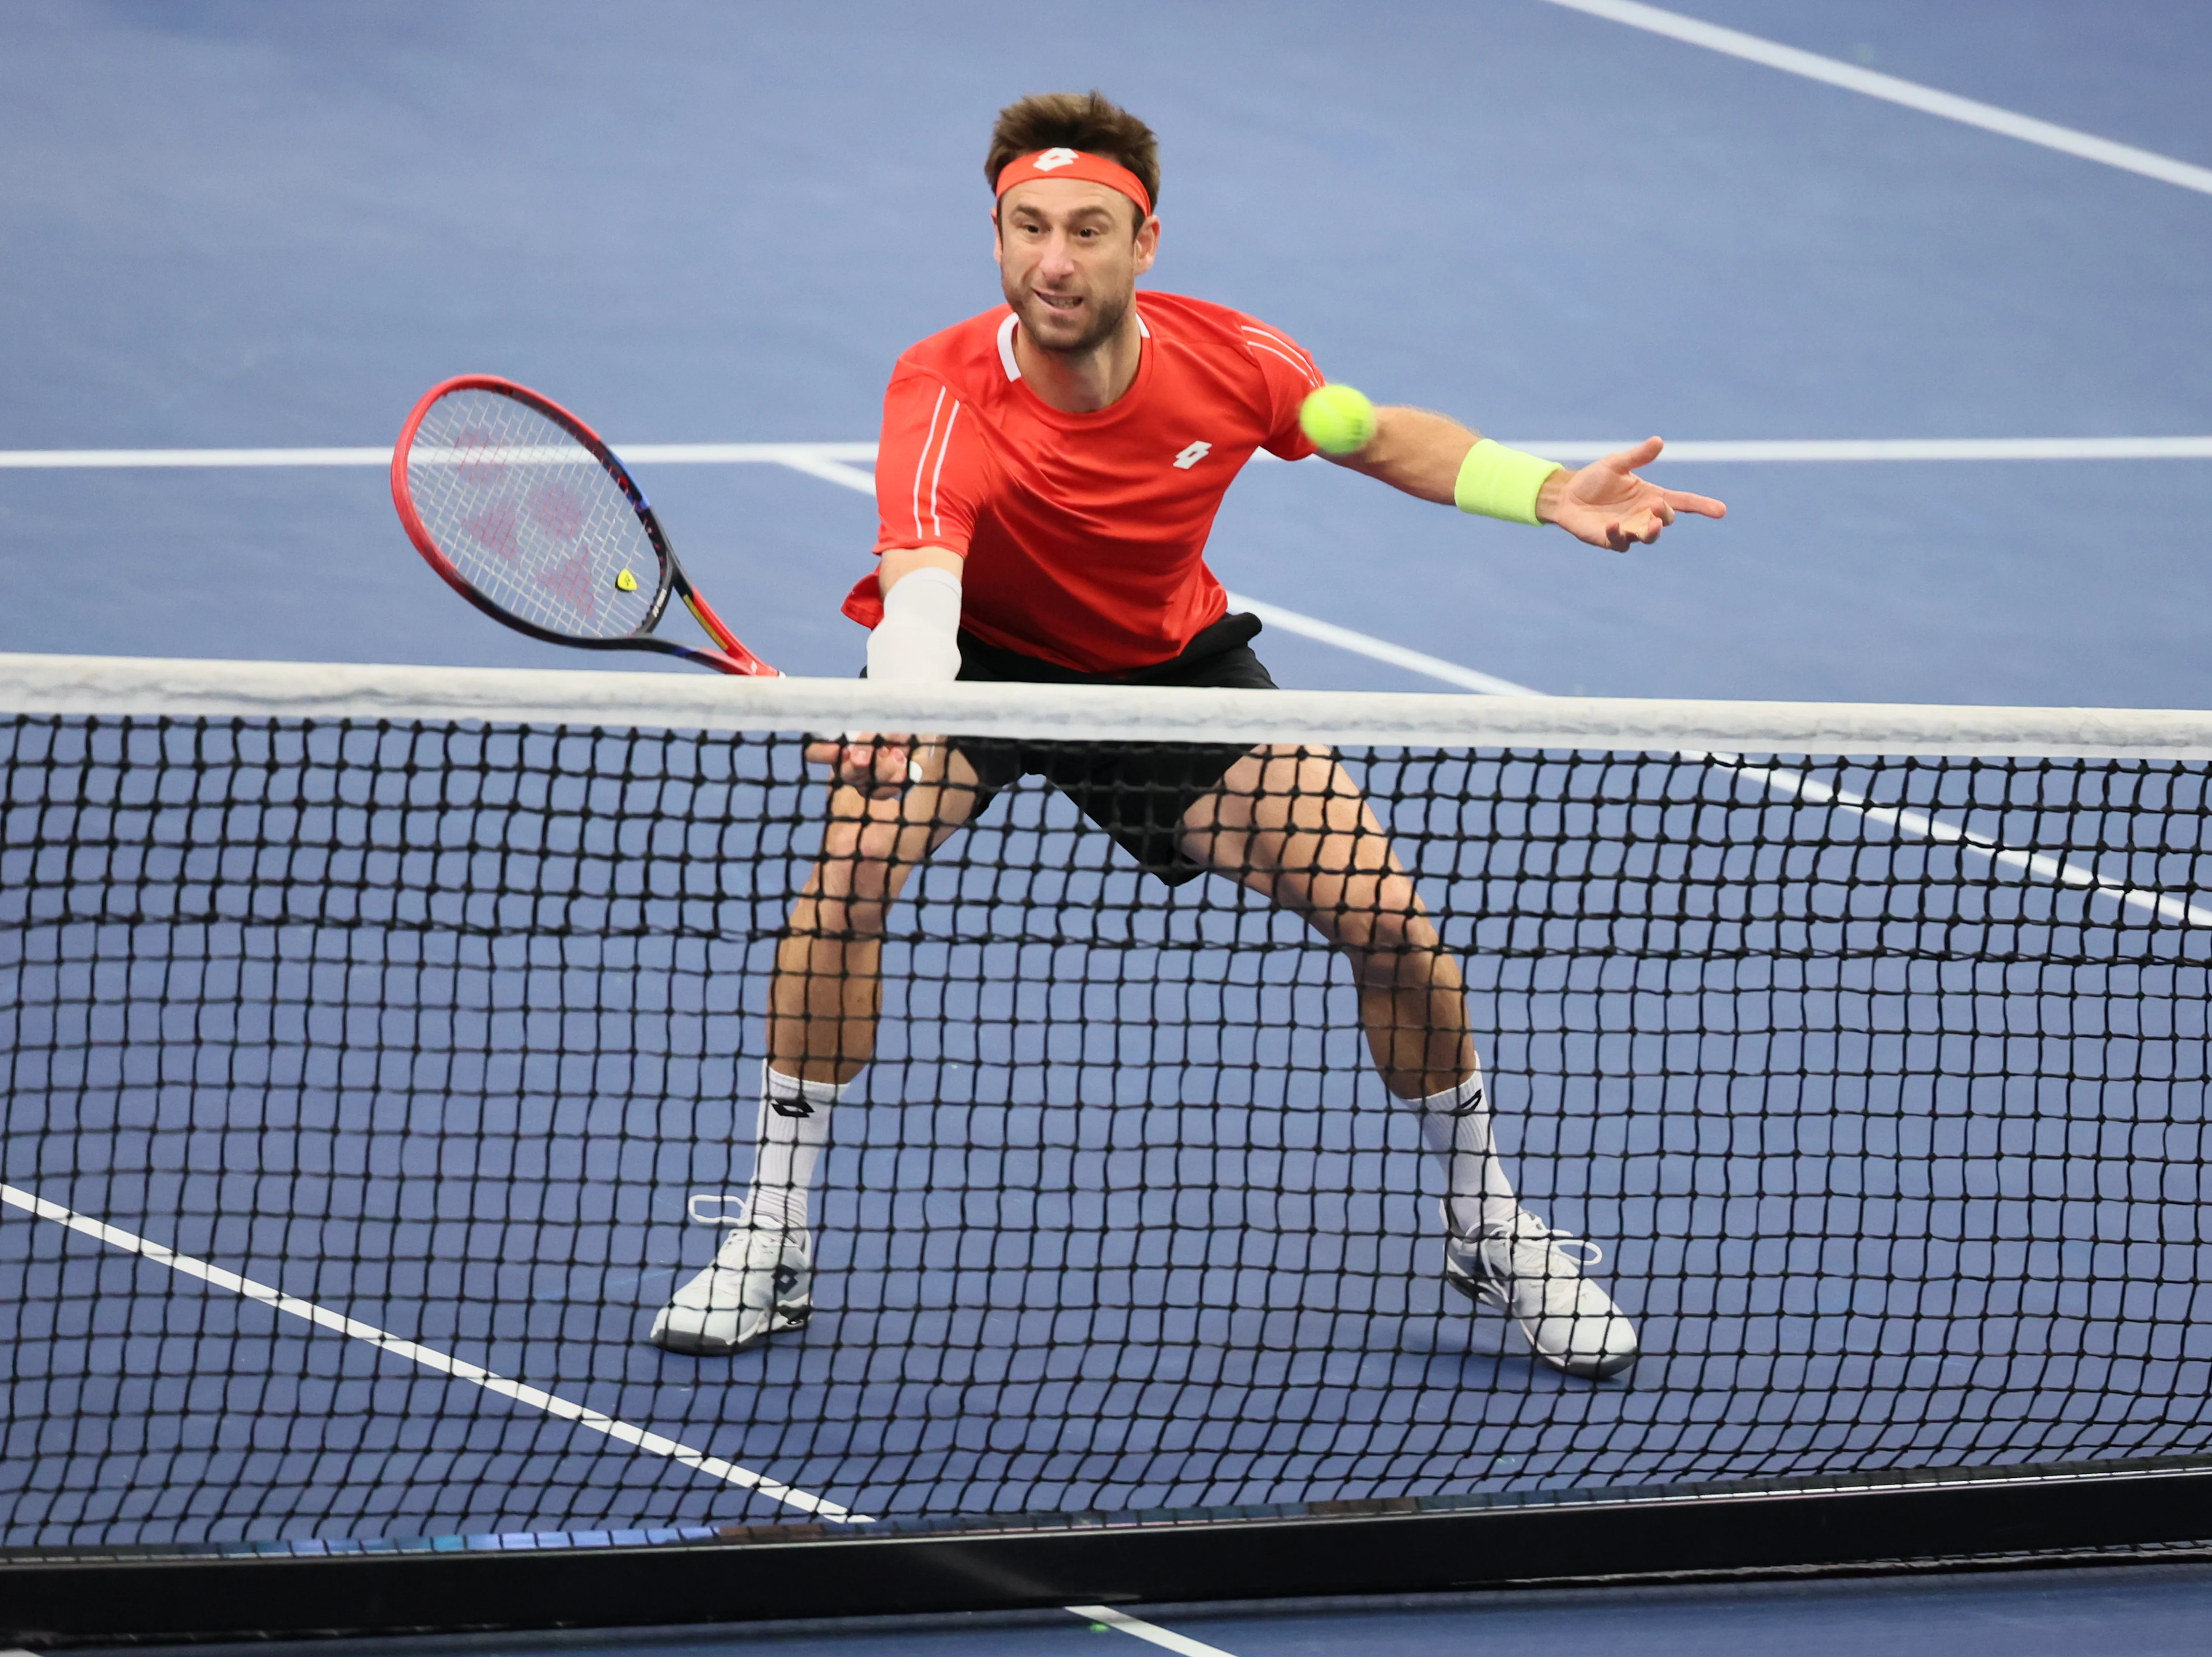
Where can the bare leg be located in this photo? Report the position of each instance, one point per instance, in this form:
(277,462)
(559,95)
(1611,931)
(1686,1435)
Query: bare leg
(1290,824)
(822,1001)
(827,989)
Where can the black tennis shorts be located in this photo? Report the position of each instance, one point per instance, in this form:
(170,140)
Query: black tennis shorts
(1137,794)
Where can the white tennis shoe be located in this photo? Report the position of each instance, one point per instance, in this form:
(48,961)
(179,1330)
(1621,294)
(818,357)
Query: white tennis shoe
(1534,1275)
(762,1282)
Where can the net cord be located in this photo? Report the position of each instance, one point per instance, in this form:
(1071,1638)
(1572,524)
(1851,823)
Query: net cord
(183,688)
(78,686)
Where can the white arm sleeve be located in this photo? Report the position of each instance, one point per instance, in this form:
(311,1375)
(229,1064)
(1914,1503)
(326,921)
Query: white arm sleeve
(919,637)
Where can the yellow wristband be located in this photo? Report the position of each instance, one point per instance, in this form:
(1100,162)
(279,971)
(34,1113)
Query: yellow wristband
(1497,481)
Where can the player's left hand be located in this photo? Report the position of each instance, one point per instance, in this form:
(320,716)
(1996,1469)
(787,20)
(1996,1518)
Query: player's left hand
(1607,504)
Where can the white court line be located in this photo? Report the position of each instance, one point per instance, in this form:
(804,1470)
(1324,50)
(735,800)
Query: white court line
(1152,1633)
(841,463)
(1888,87)
(70,460)
(1792,784)
(1830,449)
(2058,870)
(620,1431)
(459,1369)
(1366,644)
(803,457)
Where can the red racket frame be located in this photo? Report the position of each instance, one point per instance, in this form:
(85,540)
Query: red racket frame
(732,658)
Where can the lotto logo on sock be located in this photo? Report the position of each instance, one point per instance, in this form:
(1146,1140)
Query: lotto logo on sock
(790,1106)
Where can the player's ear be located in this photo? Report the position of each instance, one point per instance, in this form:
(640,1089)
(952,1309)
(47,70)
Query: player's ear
(998,238)
(1148,242)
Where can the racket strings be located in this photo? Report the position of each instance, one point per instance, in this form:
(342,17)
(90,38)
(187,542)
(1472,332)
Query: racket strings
(530,518)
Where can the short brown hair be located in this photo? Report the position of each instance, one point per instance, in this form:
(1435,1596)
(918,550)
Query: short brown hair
(1075,120)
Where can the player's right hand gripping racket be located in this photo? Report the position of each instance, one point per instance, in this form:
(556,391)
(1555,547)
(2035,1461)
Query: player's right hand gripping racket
(529,517)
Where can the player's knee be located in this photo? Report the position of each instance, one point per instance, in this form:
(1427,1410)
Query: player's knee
(1397,953)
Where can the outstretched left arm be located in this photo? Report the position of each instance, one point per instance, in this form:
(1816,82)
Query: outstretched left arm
(1604,504)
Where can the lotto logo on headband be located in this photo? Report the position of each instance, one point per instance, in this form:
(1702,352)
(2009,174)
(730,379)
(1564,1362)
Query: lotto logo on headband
(1064,163)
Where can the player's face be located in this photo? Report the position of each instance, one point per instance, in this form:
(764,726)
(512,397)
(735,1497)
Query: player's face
(1068,260)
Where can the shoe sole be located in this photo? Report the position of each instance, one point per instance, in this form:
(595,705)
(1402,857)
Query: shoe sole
(692,1345)
(1482,1294)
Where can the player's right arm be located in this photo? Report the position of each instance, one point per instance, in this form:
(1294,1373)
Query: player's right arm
(917,641)
(932,475)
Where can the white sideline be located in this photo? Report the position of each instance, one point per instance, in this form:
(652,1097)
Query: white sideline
(1786,783)
(1888,87)
(1151,1633)
(1825,450)
(459,1369)
(1378,649)
(803,457)
(841,463)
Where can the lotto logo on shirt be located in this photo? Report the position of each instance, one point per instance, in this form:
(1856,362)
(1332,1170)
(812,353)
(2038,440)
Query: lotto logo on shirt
(1192,455)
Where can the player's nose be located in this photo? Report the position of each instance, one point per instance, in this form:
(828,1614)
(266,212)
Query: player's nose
(1059,257)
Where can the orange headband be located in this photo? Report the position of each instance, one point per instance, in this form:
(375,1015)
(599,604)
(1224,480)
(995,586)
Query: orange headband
(1074,164)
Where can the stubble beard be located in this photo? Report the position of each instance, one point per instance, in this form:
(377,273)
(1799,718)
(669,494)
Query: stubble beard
(1106,319)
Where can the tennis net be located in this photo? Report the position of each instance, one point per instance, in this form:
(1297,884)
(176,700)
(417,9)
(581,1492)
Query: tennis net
(374,1037)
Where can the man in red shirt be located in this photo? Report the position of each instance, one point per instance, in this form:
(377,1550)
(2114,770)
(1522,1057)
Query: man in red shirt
(1048,475)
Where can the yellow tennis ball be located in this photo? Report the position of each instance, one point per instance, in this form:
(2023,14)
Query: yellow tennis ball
(1339,420)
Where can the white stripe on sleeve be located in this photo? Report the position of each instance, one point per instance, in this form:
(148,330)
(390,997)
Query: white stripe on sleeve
(922,463)
(1305,369)
(1306,363)
(944,449)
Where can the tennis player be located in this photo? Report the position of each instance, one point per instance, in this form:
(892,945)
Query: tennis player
(1048,475)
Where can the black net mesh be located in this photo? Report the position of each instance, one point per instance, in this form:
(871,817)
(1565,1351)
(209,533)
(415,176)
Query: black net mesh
(1894,1142)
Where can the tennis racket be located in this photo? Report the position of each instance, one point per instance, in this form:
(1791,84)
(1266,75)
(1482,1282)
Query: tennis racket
(529,517)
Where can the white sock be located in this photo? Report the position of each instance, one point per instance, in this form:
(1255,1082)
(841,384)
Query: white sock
(790,1133)
(1457,1126)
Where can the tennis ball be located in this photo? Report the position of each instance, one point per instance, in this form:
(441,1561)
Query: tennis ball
(1339,420)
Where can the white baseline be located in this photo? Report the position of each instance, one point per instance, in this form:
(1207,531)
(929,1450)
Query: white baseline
(1890,89)
(842,463)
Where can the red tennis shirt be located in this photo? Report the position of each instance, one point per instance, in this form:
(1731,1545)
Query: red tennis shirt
(1085,534)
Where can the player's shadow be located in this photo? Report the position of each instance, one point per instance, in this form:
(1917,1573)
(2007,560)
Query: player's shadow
(1486,1355)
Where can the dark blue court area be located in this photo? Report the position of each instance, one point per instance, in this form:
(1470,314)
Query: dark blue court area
(257,225)
(1898,1157)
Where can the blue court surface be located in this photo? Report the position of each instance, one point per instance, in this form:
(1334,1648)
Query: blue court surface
(2159,1610)
(269,228)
